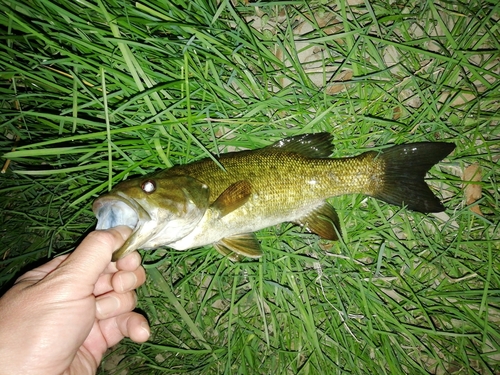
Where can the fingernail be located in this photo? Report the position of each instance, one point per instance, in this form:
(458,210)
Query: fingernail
(124,231)
(107,305)
(146,329)
(127,281)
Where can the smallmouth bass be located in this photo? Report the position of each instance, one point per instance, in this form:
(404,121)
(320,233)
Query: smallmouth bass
(200,203)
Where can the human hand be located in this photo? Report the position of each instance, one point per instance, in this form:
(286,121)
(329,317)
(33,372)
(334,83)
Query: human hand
(61,318)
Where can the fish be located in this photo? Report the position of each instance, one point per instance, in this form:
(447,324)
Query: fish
(223,202)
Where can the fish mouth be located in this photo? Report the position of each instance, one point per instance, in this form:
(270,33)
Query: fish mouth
(112,214)
(112,211)
(116,209)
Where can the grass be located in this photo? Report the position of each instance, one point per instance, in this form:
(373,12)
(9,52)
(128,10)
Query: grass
(95,92)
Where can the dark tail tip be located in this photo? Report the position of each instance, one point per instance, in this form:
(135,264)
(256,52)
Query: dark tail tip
(405,167)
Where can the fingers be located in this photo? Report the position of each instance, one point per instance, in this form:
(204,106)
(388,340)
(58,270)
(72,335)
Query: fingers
(124,281)
(131,274)
(103,284)
(113,304)
(130,324)
(93,255)
(127,274)
(129,262)
(123,297)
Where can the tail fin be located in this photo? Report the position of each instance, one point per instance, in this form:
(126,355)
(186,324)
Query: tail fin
(405,168)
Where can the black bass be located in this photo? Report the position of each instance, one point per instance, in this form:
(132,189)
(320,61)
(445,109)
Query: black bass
(198,204)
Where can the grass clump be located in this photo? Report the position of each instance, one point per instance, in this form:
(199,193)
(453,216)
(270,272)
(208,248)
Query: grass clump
(94,92)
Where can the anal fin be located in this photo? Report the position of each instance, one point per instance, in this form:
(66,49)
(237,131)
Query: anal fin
(235,196)
(323,221)
(234,247)
(227,253)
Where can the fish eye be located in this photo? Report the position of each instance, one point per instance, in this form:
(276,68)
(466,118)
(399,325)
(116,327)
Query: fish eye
(148,186)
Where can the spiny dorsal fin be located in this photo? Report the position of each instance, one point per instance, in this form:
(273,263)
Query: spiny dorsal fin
(241,244)
(317,145)
(323,221)
(235,196)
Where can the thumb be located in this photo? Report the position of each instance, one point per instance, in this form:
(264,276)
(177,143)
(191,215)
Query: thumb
(93,255)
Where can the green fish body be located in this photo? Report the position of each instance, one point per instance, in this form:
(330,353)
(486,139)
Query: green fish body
(201,203)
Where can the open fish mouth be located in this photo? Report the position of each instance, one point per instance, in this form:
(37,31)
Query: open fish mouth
(116,209)
(113,212)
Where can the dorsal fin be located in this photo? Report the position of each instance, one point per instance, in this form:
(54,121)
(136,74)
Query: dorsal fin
(317,145)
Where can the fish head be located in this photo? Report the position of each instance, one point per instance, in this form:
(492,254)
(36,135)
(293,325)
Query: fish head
(158,210)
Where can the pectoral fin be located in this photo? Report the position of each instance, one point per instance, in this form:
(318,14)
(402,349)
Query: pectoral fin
(234,247)
(323,221)
(233,197)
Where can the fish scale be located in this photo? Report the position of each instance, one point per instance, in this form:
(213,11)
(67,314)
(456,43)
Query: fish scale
(285,179)
(200,203)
